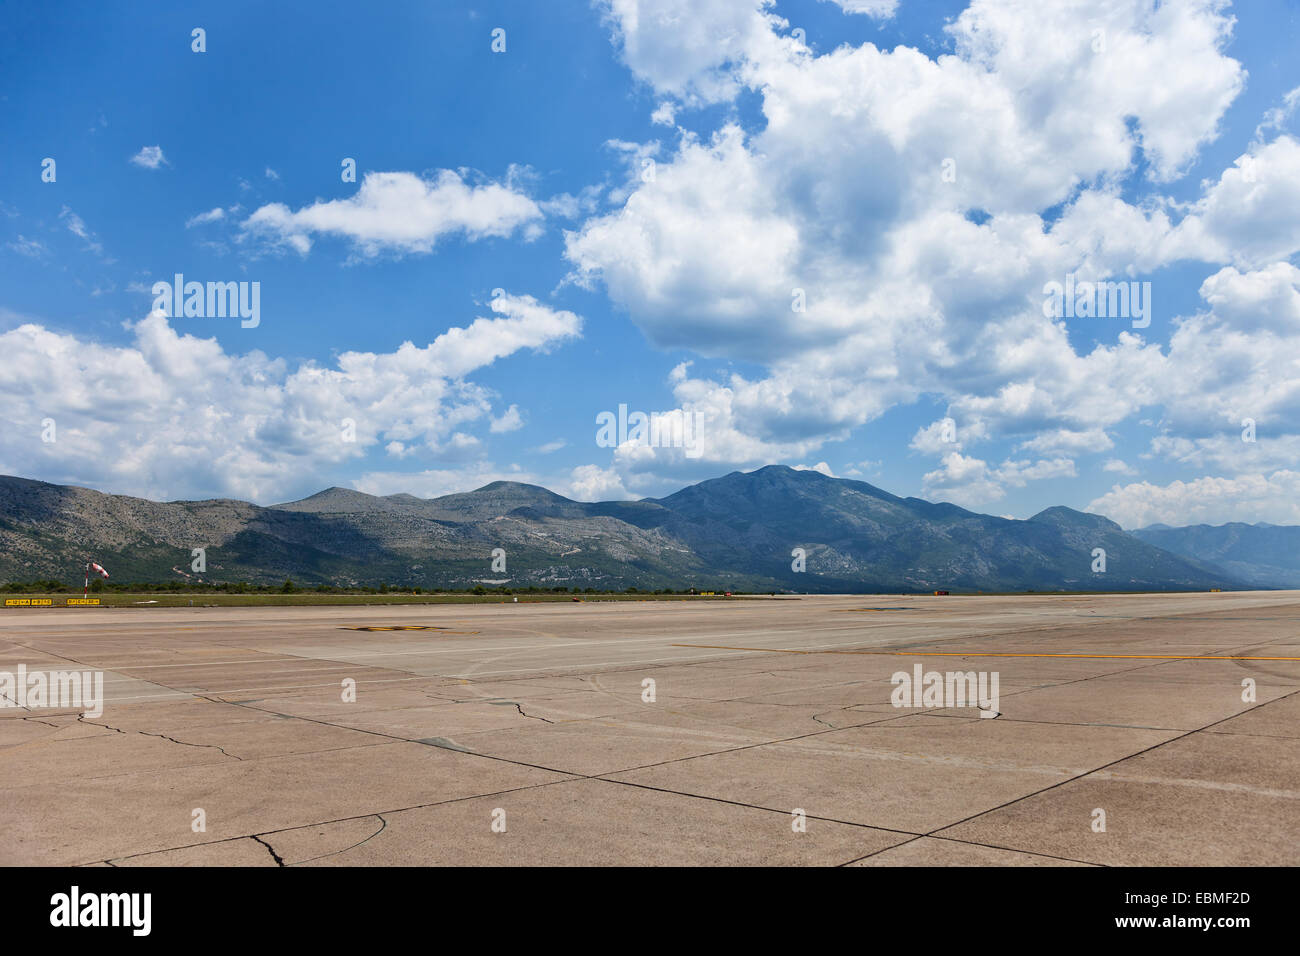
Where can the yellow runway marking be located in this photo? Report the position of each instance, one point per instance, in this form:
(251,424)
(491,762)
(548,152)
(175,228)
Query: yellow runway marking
(1117,657)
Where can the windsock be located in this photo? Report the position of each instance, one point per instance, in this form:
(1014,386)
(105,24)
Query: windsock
(98,568)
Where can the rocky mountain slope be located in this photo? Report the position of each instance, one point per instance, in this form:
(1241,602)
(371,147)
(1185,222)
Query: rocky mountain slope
(739,531)
(1262,555)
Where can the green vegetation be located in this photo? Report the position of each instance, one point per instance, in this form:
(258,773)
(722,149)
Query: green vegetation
(288,587)
(309,599)
(243,594)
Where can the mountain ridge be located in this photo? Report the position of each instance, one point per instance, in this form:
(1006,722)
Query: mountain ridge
(1263,554)
(743,530)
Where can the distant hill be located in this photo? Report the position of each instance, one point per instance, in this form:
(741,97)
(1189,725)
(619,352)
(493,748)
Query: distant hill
(1262,555)
(737,531)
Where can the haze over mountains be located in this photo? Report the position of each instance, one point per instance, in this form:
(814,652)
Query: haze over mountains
(733,532)
(1265,555)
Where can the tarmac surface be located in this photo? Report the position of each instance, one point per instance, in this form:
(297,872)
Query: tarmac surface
(732,732)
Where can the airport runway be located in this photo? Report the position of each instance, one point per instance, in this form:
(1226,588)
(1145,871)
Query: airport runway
(738,732)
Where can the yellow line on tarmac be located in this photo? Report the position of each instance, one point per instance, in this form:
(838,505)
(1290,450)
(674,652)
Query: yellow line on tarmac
(1121,657)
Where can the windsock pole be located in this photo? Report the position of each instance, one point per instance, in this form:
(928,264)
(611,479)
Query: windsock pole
(86,591)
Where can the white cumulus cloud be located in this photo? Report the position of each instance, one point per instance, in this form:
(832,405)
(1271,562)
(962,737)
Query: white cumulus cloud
(172,414)
(150,157)
(401,213)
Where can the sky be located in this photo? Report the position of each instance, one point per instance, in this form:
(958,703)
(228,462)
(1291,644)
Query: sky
(442,244)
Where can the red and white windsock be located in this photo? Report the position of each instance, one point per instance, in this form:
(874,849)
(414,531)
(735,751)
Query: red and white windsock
(99,568)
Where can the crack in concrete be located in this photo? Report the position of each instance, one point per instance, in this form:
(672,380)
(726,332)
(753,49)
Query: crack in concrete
(359,816)
(500,702)
(520,708)
(383,825)
(279,861)
(81,719)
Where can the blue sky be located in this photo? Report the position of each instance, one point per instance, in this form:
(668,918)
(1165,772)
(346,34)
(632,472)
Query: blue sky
(780,162)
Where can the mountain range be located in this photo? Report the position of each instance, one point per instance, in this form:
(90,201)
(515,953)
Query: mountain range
(1264,555)
(742,531)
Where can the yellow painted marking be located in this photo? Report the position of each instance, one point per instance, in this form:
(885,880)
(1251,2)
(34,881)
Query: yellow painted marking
(1117,657)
